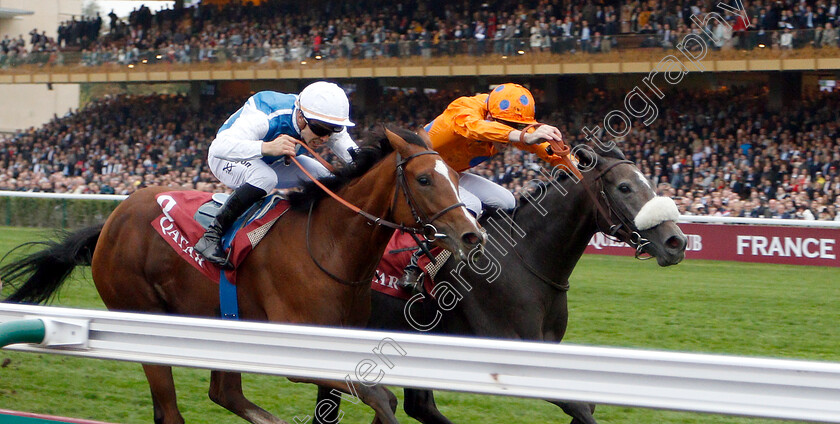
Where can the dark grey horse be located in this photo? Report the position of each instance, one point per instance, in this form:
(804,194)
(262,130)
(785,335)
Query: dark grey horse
(519,291)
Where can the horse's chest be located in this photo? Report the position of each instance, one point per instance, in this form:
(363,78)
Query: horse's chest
(554,325)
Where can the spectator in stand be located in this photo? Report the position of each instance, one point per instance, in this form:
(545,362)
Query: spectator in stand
(786,39)
(827,37)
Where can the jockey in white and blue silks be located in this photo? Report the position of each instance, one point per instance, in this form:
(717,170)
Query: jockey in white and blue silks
(248,153)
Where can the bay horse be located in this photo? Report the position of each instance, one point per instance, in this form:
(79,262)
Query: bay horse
(396,178)
(521,293)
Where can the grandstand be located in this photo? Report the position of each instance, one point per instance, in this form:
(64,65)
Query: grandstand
(746,127)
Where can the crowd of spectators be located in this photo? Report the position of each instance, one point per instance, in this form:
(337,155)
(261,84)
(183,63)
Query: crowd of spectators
(79,33)
(283,31)
(114,145)
(725,153)
(38,43)
(719,152)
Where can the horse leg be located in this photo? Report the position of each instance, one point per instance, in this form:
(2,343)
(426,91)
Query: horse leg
(580,412)
(420,405)
(328,399)
(226,390)
(380,399)
(163,394)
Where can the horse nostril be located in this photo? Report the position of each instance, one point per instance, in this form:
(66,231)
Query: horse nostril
(471,239)
(676,243)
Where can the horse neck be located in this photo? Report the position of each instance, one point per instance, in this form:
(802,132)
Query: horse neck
(364,243)
(555,242)
(550,248)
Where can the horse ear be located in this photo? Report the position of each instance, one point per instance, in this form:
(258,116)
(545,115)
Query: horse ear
(586,156)
(397,142)
(425,137)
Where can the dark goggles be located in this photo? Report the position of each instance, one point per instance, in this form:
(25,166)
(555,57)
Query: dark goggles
(514,125)
(322,129)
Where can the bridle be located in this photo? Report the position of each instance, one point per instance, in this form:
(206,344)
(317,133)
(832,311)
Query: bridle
(428,230)
(624,230)
(424,225)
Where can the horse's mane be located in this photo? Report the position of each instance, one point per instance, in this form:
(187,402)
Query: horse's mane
(370,152)
(495,212)
(614,153)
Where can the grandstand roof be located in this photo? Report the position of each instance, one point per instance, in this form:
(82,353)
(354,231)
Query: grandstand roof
(8,13)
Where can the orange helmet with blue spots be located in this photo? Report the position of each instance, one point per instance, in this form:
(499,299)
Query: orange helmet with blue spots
(513,103)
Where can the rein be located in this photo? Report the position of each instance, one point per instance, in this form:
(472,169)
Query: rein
(559,149)
(427,228)
(559,286)
(555,148)
(316,156)
(623,228)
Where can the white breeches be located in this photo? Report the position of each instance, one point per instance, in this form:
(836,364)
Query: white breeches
(475,190)
(260,174)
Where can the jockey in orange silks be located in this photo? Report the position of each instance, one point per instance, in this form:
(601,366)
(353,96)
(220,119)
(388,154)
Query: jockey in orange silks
(473,129)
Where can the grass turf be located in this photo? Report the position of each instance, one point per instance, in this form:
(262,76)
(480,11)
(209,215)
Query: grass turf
(698,306)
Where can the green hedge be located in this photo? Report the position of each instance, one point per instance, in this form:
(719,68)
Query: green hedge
(53,213)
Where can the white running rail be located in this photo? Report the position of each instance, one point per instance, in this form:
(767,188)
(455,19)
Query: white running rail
(69,196)
(757,387)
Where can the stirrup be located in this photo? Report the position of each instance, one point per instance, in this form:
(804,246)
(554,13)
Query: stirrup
(214,253)
(226,264)
(412,279)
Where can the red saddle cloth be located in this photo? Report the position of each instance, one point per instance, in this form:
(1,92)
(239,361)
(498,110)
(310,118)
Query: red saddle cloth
(177,225)
(393,263)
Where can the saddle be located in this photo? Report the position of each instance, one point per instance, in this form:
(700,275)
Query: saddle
(207,212)
(185,216)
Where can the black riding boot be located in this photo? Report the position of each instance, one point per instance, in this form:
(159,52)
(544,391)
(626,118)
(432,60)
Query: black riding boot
(210,244)
(412,274)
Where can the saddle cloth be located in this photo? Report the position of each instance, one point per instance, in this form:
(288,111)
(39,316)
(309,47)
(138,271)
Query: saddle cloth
(178,226)
(396,258)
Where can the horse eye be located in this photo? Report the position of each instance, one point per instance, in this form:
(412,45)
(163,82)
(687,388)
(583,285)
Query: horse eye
(424,180)
(624,188)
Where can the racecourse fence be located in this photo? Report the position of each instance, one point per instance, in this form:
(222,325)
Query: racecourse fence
(762,240)
(748,386)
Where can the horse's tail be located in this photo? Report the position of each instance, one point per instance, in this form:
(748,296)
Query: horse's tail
(37,276)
